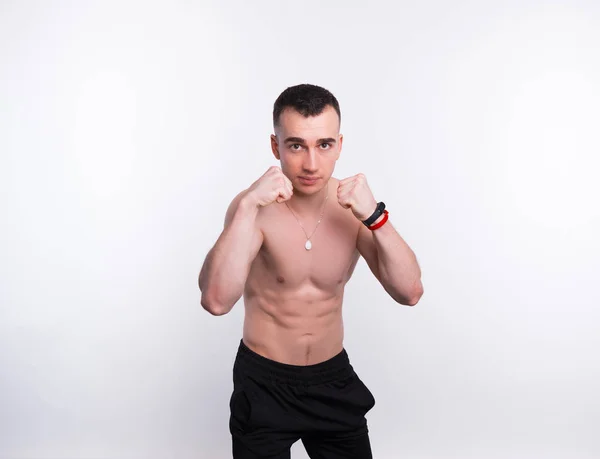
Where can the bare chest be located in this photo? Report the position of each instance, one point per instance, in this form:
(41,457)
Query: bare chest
(283,261)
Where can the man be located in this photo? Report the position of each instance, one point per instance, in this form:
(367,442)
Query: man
(290,243)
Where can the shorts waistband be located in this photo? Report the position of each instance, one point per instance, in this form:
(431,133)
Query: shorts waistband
(336,368)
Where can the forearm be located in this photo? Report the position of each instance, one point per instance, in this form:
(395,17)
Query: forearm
(227,265)
(398,266)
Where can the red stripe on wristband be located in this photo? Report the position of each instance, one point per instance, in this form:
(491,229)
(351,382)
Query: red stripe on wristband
(381,223)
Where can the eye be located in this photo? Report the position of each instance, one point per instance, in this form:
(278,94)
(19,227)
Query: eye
(294,145)
(327,145)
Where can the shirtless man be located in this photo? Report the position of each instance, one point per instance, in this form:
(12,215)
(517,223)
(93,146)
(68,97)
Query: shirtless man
(290,243)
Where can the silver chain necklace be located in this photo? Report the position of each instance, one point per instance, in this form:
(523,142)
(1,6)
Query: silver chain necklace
(308,244)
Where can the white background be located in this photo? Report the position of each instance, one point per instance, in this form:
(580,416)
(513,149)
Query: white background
(126,128)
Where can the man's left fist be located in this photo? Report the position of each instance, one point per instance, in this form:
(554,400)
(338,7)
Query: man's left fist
(354,193)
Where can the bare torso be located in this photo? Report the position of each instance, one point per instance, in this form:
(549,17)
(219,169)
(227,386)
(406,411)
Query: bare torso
(293,297)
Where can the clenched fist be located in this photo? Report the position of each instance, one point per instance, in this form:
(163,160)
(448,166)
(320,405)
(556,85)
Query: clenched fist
(354,193)
(272,186)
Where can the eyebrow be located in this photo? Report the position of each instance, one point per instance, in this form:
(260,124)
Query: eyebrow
(301,140)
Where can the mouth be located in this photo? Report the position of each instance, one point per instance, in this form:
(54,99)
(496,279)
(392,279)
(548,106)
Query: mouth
(308,180)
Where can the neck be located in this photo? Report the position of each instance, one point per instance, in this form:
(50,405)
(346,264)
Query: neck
(308,204)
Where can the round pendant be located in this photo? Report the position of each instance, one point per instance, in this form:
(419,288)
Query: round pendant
(308,245)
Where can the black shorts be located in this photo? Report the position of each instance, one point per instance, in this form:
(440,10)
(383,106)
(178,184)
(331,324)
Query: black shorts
(273,405)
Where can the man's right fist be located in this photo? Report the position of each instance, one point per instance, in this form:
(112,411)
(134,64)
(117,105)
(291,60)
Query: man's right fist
(272,186)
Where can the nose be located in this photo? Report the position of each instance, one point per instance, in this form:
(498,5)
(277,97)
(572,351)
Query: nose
(310,161)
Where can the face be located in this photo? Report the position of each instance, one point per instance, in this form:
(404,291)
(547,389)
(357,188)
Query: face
(307,148)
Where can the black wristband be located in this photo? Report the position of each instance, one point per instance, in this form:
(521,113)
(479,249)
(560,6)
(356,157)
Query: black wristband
(378,211)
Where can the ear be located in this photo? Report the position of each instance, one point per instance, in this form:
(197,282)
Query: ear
(275,146)
(340,141)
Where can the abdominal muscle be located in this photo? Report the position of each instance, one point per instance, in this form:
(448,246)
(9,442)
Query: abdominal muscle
(303,327)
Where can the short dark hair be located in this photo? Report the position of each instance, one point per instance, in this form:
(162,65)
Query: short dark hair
(306,99)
